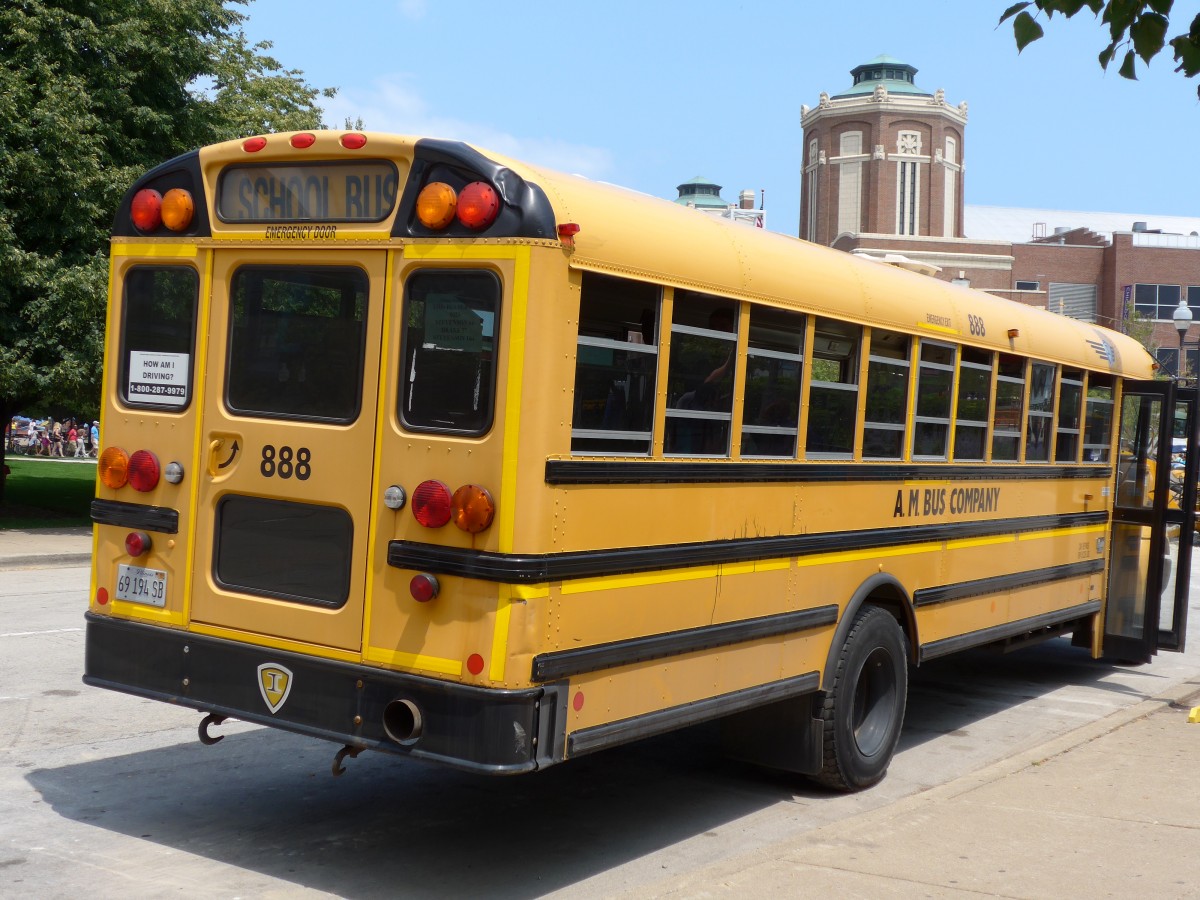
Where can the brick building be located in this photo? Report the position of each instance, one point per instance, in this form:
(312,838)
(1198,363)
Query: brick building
(883,174)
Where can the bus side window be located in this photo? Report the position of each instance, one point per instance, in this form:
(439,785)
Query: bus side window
(700,375)
(1041,412)
(1007,416)
(833,393)
(1070,402)
(771,399)
(973,412)
(935,393)
(887,395)
(1097,438)
(616,366)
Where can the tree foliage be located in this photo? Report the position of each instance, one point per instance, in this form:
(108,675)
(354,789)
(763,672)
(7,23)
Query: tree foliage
(1136,28)
(92,94)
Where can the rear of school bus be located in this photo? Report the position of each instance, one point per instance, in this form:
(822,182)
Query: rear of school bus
(312,399)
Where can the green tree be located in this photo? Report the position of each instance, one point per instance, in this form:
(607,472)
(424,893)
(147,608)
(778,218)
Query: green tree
(1136,28)
(92,94)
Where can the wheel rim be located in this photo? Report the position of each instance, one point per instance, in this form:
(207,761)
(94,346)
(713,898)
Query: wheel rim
(874,702)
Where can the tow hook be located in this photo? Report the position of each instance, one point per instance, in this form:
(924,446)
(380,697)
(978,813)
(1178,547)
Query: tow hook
(352,752)
(206,738)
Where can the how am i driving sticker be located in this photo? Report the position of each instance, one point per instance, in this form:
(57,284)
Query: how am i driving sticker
(158,377)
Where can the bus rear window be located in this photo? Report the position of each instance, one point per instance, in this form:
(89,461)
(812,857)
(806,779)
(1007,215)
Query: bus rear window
(448,380)
(296,342)
(157,331)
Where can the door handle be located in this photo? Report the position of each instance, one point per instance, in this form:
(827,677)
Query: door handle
(213,447)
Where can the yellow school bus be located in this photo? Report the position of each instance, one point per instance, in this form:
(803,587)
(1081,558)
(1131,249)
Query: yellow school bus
(416,448)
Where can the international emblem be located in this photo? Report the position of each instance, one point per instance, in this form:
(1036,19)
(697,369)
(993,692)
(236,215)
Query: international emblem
(274,683)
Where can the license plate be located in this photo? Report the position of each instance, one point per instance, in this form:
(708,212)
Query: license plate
(138,585)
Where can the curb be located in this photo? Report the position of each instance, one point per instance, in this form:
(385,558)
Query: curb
(46,560)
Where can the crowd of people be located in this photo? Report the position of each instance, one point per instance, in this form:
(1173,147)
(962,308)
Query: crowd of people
(66,439)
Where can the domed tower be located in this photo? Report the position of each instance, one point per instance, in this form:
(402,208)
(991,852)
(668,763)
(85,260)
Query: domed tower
(700,193)
(882,157)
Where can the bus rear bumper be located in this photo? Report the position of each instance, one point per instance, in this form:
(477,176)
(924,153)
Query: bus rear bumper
(477,729)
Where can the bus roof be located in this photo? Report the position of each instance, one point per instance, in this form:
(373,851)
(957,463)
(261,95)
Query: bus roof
(627,233)
(636,235)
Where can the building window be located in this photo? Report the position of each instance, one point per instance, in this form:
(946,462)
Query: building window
(850,184)
(1029,285)
(1159,301)
(908,143)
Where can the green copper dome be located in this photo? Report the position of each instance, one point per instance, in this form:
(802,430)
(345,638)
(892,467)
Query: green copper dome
(700,193)
(898,77)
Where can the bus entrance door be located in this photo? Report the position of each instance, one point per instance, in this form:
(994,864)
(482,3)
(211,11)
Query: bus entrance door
(1154,512)
(284,487)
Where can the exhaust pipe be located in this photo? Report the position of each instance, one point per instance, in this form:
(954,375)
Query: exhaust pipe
(403,721)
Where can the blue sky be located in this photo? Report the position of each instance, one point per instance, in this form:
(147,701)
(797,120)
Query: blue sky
(650,93)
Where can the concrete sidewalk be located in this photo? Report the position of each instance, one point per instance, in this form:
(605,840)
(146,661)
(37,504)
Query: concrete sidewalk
(43,547)
(1111,809)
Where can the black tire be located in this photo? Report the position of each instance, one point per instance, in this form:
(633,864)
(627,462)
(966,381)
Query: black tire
(863,709)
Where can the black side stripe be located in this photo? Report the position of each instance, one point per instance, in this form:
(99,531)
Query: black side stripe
(537,568)
(598,737)
(998,583)
(135,515)
(565,663)
(594,471)
(949,645)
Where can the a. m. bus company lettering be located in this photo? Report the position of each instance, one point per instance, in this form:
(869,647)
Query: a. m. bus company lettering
(362,192)
(939,501)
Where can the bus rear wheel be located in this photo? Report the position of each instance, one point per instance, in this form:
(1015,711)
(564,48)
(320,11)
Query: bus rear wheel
(863,709)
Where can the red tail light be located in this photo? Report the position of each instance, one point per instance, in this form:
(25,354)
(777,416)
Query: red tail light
(431,504)
(144,471)
(478,205)
(146,210)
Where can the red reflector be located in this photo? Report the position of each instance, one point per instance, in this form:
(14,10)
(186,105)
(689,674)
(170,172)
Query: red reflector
(431,504)
(300,141)
(254,144)
(146,210)
(144,471)
(568,230)
(423,587)
(354,141)
(478,205)
(474,663)
(137,543)
(577,701)
(102,596)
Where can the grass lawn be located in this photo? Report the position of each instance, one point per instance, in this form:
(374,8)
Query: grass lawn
(43,493)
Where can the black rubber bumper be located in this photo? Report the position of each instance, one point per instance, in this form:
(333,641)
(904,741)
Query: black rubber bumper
(478,729)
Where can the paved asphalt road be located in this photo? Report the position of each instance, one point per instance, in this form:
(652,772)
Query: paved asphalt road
(107,795)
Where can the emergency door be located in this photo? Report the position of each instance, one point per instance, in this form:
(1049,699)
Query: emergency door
(287,445)
(1152,524)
